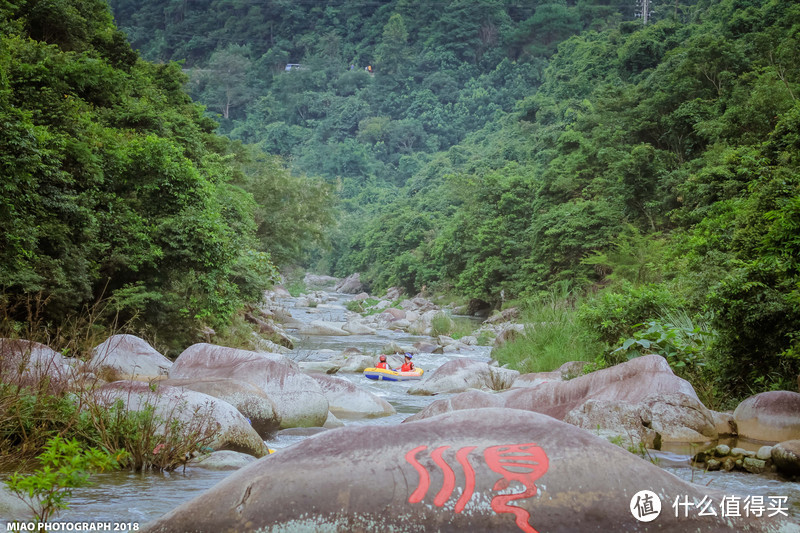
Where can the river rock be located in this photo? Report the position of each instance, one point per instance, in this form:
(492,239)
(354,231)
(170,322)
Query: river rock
(764,453)
(350,285)
(331,422)
(615,420)
(724,423)
(770,416)
(353,363)
(426,347)
(223,460)
(656,399)
(233,431)
(477,470)
(679,417)
(401,324)
(28,363)
(457,347)
(506,315)
(247,398)
(392,313)
(393,347)
(357,327)
(316,281)
(286,318)
(322,367)
(12,507)
(265,345)
(647,381)
(320,327)
(394,293)
(459,375)
(509,333)
(471,399)
(280,292)
(534,379)
(345,400)
(298,399)
(786,456)
(130,357)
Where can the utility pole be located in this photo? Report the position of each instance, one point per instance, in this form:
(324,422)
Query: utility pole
(644,10)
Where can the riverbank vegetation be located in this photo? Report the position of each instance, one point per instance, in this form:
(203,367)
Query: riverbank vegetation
(117,190)
(481,148)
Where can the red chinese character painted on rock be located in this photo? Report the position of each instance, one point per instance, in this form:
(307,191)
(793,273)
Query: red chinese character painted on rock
(522,463)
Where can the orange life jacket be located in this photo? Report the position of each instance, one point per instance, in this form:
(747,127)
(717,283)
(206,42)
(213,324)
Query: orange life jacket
(382,364)
(407,367)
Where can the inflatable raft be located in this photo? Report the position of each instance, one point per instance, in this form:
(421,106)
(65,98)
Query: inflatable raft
(382,374)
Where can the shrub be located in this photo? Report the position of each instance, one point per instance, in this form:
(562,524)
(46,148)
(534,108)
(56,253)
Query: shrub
(65,465)
(613,315)
(685,343)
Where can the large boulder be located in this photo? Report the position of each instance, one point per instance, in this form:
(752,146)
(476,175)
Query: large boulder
(248,399)
(654,397)
(320,327)
(472,399)
(786,456)
(345,400)
(29,363)
(223,460)
(130,357)
(643,381)
(201,412)
(770,416)
(352,362)
(316,281)
(350,285)
(299,401)
(357,327)
(459,375)
(481,470)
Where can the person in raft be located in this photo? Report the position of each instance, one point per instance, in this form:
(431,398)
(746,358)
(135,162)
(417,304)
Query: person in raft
(408,364)
(383,363)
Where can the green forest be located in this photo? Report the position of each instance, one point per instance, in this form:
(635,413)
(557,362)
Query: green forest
(631,165)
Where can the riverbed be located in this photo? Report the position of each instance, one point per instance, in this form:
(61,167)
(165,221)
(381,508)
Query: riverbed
(126,497)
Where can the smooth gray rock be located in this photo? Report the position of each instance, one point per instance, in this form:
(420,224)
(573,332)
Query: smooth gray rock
(298,398)
(475,470)
(458,375)
(345,400)
(230,429)
(786,456)
(130,356)
(772,416)
(247,398)
(223,460)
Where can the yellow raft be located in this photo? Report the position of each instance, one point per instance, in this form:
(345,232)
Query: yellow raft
(382,374)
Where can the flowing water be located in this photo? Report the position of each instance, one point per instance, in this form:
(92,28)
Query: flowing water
(125,497)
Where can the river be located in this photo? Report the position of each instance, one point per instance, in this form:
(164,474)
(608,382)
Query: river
(125,497)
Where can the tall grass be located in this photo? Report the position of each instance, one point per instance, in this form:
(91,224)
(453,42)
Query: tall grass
(441,324)
(38,403)
(553,336)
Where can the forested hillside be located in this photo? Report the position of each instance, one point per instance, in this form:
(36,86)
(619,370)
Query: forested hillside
(119,202)
(498,148)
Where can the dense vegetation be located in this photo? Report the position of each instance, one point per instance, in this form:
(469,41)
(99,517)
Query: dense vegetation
(497,150)
(501,147)
(115,187)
